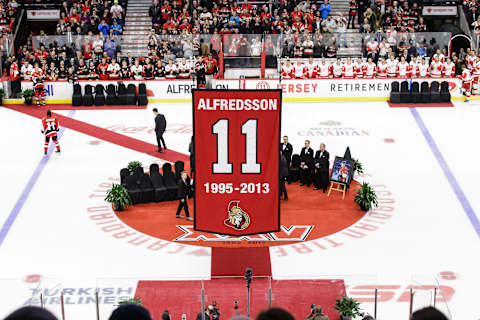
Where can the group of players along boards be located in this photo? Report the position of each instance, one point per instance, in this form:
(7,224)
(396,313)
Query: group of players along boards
(440,67)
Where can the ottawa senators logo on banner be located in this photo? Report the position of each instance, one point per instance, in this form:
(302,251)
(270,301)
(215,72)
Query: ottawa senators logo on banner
(237,218)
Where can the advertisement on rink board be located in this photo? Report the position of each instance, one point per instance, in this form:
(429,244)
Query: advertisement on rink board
(329,89)
(157,90)
(292,89)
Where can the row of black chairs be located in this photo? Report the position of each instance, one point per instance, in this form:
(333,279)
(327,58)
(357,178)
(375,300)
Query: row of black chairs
(420,93)
(155,186)
(115,95)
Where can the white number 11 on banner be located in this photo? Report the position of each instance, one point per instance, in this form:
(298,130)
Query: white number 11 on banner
(249,129)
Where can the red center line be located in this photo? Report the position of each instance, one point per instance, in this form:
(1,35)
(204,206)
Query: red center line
(104,134)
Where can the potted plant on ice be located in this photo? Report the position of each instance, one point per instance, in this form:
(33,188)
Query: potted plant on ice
(348,308)
(118,196)
(132,165)
(366,197)
(136,301)
(27,95)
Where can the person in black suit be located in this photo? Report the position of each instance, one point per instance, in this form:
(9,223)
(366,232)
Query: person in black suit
(286,150)
(322,165)
(306,173)
(307,153)
(160,126)
(283,176)
(184,186)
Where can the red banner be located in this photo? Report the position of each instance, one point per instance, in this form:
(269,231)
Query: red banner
(236,137)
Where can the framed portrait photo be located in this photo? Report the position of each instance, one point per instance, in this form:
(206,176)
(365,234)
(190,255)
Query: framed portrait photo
(342,170)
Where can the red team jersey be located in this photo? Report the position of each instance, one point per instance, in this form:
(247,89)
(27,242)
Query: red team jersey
(37,78)
(50,126)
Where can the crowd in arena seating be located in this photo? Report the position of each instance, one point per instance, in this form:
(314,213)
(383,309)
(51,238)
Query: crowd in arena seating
(60,66)
(138,312)
(8,16)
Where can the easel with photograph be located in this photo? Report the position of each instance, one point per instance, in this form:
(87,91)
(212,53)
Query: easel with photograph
(337,186)
(340,177)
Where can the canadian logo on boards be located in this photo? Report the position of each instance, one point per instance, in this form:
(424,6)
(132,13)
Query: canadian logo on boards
(263,85)
(237,218)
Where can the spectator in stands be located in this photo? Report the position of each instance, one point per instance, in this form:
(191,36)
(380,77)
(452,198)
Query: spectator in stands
(325,9)
(31,313)
(109,48)
(116,11)
(103,27)
(428,313)
(274,314)
(130,311)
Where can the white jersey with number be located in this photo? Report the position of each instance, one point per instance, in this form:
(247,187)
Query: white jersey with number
(449,69)
(436,69)
(392,68)
(323,70)
(423,70)
(349,70)
(337,70)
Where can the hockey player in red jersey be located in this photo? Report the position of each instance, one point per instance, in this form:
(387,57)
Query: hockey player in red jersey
(50,127)
(37,78)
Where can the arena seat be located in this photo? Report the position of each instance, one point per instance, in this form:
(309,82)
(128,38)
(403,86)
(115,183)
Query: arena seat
(425,92)
(415,93)
(142,95)
(131,94)
(170,182)
(445,95)
(434,92)
(146,186)
(132,186)
(99,95)
(158,183)
(395,92)
(404,92)
(124,173)
(77,99)
(294,170)
(179,167)
(88,96)
(111,95)
(122,94)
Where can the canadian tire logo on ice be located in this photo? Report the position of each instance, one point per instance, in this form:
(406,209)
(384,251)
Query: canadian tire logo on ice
(263,85)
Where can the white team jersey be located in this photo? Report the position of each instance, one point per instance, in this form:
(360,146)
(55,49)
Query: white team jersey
(171,70)
(476,68)
(422,70)
(436,69)
(309,70)
(337,70)
(298,71)
(27,72)
(449,69)
(382,70)
(184,67)
(359,69)
(370,70)
(470,61)
(288,72)
(323,70)
(392,68)
(349,70)
(402,69)
(113,67)
(137,72)
(466,75)
(441,57)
